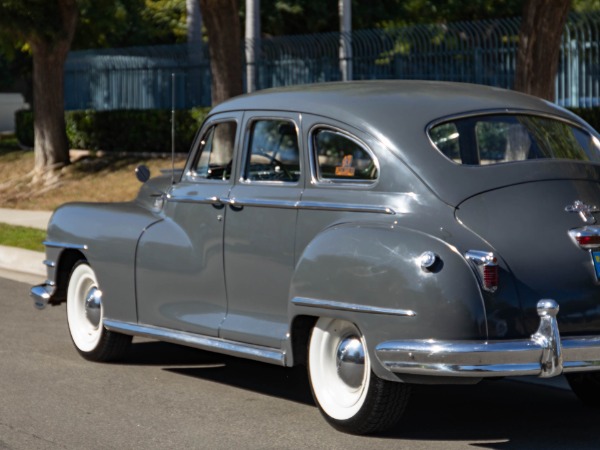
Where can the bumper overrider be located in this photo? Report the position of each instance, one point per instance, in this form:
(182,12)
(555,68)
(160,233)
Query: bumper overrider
(545,354)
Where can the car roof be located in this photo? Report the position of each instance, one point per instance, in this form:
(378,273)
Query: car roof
(397,113)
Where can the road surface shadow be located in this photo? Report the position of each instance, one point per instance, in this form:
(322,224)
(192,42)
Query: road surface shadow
(496,414)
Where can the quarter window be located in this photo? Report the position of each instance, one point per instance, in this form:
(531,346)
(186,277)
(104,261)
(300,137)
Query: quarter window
(338,157)
(273,153)
(216,152)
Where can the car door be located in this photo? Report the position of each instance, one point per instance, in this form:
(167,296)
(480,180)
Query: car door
(179,271)
(260,229)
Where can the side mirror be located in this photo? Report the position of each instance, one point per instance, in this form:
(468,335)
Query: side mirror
(142,173)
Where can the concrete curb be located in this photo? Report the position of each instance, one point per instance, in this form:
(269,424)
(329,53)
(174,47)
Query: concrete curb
(20,260)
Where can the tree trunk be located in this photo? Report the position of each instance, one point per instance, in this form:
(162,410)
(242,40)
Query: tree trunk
(224,43)
(51,146)
(538,54)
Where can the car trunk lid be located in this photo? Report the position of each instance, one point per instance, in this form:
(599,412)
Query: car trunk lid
(533,228)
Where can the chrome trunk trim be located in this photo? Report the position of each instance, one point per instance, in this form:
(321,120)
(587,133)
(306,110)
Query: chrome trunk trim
(353,307)
(255,352)
(544,354)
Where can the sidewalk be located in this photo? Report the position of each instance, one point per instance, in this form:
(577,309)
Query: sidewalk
(17,263)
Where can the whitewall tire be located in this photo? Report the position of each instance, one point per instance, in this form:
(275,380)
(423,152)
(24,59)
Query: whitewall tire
(85,314)
(349,395)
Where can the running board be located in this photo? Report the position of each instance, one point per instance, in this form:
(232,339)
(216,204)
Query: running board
(233,348)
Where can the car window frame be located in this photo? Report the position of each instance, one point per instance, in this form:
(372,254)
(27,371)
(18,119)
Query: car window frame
(194,154)
(506,112)
(333,182)
(295,119)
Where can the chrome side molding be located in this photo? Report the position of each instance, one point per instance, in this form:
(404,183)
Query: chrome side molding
(545,354)
(227,347)
(53,244)
(353,307)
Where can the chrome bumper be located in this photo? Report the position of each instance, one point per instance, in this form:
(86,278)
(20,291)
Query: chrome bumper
(545,354)
(41,294)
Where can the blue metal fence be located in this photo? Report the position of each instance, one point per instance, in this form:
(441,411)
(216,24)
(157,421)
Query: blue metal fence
(482,52)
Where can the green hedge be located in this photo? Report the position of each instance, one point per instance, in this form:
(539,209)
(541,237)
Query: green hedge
(122,130)
(150,130)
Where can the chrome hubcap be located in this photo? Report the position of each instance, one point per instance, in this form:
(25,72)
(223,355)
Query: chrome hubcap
(350,359)
(93,305)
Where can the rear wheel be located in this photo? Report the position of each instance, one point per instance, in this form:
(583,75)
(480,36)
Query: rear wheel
(586,385)
(349,395)
(85,314)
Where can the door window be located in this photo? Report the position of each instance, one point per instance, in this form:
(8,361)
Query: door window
(273,153)
(215,154)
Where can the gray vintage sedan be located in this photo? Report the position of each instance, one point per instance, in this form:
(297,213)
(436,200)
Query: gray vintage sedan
(383,234)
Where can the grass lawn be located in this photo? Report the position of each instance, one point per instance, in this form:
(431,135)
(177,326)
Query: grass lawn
(23,237)
(89,178)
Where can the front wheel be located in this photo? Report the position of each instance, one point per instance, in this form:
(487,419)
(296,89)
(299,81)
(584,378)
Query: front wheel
(349,395)
(85,314)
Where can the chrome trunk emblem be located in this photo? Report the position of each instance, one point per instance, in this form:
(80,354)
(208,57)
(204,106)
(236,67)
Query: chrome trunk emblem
(585,211)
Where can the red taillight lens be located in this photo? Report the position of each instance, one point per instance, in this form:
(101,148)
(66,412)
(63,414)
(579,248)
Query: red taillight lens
(486,266)
(490,277)
(588,241)
(587,238)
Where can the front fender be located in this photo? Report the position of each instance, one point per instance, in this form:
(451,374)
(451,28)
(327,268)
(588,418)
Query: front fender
(107,236)
(370,274)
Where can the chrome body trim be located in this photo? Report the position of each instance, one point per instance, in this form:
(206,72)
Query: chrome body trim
(545,354)
(346,207)
(255,352)
(286,204)
(41,294)
(192,199)
(353,307)
(53,244)
(49,263)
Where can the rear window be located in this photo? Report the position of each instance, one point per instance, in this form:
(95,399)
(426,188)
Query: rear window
(495,139)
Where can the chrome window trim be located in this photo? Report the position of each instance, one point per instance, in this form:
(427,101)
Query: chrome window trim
(332,182)
(245,153)
(500,112)
(53,244)
(351,307)
(233,348)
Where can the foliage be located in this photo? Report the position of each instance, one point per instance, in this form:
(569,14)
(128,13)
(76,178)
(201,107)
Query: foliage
(590,115)
(22,237)
(125,23)
(122,130)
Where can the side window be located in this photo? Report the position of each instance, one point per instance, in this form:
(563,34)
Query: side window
(338,157)
(273,153)
(216,152)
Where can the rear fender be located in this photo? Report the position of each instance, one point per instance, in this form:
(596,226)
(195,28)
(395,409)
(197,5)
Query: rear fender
(371,275)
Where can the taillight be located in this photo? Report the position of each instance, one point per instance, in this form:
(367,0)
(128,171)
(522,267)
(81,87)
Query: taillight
(486,268)
(586,237)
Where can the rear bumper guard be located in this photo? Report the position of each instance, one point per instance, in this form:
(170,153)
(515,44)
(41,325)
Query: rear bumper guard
(545,354)
(42,293)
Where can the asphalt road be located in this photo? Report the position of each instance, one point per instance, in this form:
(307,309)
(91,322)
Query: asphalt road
(170,397)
